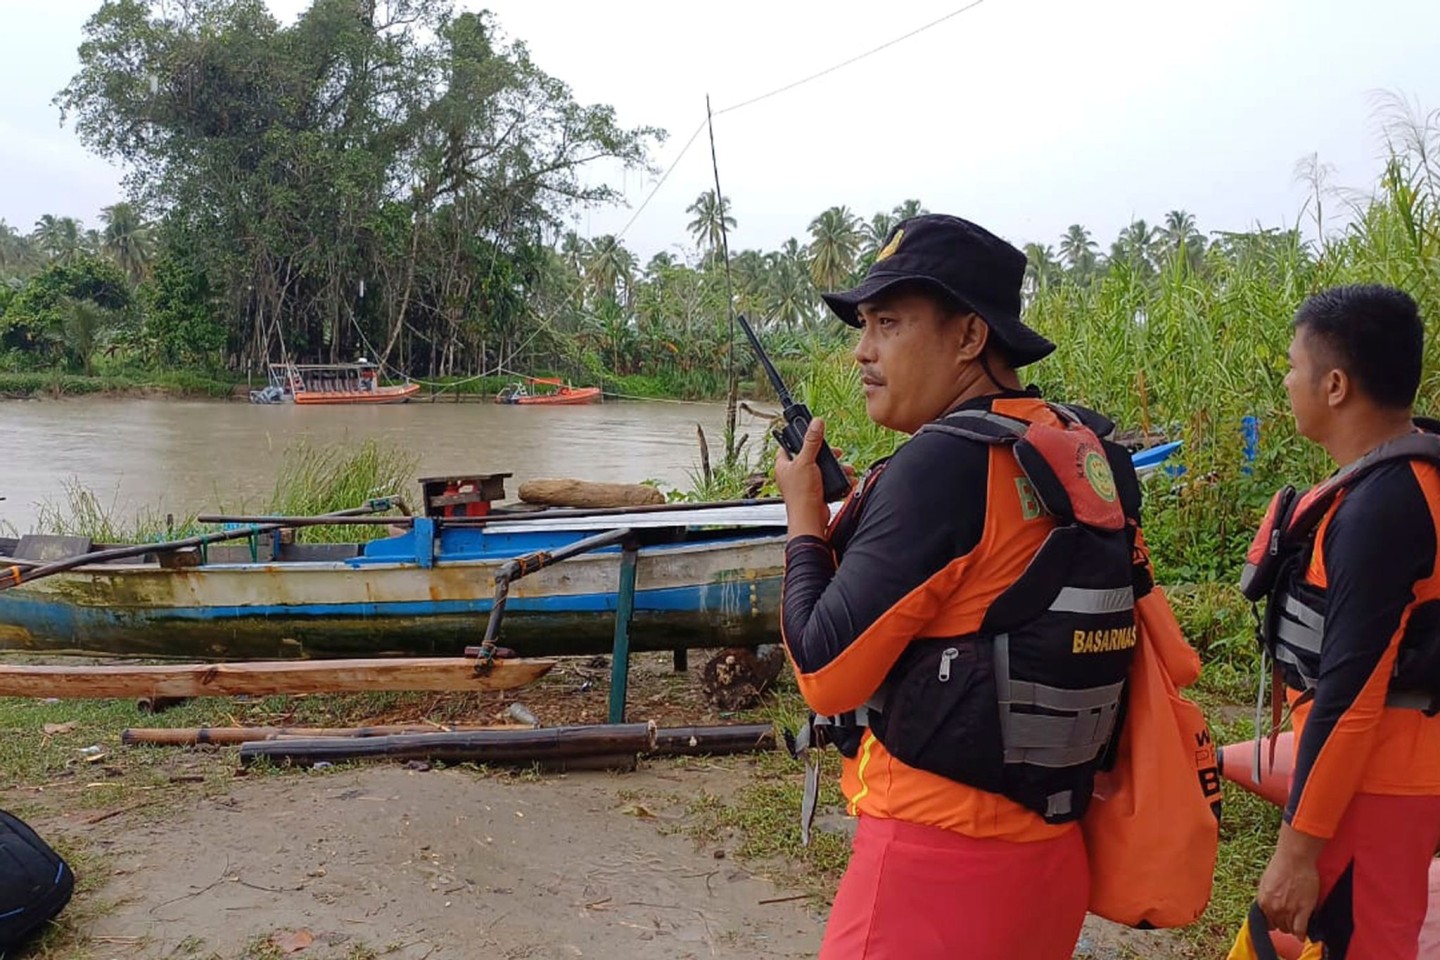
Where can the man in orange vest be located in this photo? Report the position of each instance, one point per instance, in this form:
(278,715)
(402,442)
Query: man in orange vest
(965,624)
(1353,621)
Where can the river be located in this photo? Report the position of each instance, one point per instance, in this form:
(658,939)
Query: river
(183,456)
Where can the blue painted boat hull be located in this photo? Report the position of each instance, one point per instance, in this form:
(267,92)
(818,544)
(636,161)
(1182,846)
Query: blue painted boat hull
(402,596)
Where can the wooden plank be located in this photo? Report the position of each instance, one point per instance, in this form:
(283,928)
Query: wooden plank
(263,678)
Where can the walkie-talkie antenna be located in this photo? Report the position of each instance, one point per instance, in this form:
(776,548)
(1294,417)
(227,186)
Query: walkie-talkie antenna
(731,396)
(775,381)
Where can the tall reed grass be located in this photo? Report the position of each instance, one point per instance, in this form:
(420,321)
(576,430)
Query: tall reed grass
(313,480)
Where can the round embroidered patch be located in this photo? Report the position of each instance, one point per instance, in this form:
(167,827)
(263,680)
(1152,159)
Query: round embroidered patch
(1097,471)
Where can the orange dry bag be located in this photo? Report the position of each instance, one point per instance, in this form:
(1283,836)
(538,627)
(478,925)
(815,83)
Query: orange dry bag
(1153,827)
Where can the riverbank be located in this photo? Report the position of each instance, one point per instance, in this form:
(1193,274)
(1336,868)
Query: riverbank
(180,384)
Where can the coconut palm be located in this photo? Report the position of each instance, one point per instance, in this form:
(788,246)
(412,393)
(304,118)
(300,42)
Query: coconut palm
(127,240)
(610,268)
(1078,251)
(791,298)
(1179,237)
(908,209)
(1135,247)
(59,238)
(1042,268)
(835,239)
(15,250)
(712,220)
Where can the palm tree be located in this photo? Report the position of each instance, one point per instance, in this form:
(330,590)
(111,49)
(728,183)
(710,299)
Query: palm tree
(1078,251)
(1041,267)
(127,240)
(610,268)
(712,220)
(1135,247)
(876,232)
(573,252)
(790,298)
(84,323)
(908,209)
(15,250)
(834,242)
(1179,237)
(57,237)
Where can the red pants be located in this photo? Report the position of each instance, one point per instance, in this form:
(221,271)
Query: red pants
(922,893)
(1375,878)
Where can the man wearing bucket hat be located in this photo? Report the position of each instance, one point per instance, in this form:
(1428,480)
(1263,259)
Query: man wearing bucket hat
(969,673)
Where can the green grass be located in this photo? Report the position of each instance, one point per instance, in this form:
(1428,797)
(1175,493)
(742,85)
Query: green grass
(322,479)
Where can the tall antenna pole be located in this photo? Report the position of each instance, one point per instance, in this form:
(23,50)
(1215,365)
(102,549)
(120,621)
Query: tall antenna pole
(733,387)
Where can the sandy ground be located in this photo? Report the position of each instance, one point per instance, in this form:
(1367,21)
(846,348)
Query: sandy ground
(387,861)
(444,864)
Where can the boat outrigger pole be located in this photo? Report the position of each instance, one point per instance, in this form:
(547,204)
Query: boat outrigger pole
(15,575)
(522,566)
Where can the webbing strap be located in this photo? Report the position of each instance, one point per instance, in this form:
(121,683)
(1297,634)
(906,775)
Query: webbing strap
(981,425)
(1298,635)
(1312,619)
(1073,728)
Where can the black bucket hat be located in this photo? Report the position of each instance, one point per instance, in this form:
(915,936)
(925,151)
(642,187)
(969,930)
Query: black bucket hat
(962,261)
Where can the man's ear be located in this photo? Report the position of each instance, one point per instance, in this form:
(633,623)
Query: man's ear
(972,334)
(1337,385)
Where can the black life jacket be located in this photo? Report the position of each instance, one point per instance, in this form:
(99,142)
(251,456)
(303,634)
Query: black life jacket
(1292,628)
(1029,706)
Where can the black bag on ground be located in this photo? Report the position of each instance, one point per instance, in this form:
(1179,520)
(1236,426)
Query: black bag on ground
(35,883)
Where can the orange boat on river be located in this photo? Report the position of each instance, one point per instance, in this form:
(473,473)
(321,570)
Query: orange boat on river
(330,383)
(563,394)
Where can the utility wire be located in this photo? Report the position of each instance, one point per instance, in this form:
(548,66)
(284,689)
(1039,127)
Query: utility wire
(855,59)
(775,93)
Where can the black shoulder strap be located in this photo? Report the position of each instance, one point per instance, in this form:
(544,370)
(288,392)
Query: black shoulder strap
(988,427)
(1099,424)
(979,425)
(1421,445)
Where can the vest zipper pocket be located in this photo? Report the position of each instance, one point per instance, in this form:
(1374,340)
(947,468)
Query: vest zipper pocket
(950,654)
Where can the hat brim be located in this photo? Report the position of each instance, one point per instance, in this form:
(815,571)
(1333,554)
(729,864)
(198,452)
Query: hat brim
(1021,344)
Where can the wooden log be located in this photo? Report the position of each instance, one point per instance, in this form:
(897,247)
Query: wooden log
(589,494)
(737,677)
(266,677)
(234,736)
(546,744)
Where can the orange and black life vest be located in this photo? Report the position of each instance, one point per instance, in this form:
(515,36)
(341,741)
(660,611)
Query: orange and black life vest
(1292,629)
(1028,706)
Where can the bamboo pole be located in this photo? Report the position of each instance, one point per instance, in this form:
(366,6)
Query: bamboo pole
(234,736)
(715,740)
(15,576)
(263,678)
(497,517)
(474,746)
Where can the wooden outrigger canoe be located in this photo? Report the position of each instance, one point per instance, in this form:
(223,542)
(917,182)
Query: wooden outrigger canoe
(703,578)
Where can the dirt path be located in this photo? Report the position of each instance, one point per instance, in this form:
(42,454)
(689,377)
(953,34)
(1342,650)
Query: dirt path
(444,864)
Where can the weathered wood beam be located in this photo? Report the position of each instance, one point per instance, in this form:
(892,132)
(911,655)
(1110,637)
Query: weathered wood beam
(263,678)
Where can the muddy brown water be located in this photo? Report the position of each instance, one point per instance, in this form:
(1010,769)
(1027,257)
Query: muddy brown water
(183,456)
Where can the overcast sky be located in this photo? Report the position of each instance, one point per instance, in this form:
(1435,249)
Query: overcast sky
(1024,115)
